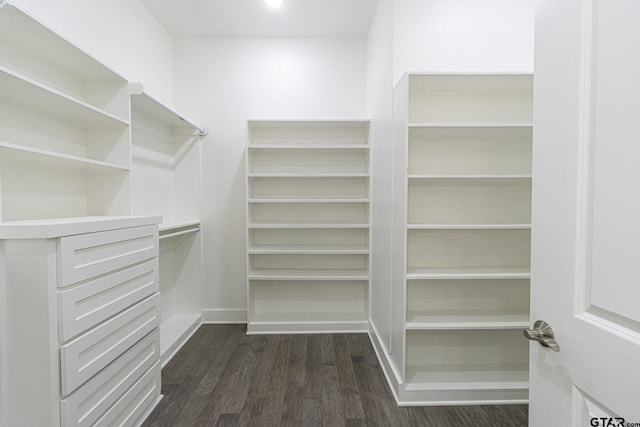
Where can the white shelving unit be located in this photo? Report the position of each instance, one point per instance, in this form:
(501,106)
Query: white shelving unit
(308,226)
(64,127)
(75,188)
(165,177)
(461,282)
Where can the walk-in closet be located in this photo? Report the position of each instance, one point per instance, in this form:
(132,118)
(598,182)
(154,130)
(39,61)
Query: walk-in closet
(318,212)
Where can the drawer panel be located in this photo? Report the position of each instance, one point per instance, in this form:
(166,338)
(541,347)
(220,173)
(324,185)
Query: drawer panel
(88,354)
(90,255)
(90,304)
(136,404)
(95,398)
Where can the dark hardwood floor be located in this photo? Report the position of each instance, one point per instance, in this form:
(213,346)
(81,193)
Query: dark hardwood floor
(222,377)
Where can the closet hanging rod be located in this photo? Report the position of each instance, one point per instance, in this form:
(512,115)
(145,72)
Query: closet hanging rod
(179,233)
(201,131)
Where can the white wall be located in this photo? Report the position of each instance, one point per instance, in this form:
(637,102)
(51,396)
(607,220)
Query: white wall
(120,33)
(463,35)
(222,82)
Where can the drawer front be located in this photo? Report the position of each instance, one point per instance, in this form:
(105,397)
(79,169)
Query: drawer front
(132,409)
(91,352)
(90,304)
(95,398)
(90,255)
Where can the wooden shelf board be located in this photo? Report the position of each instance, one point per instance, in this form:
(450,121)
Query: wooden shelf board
(469,377)
(419,320)
(468,273)
(305,123)
(507,178)
(308,146)
(317,274)
(454,124)
(309,200)
(308,175)
(14,152)
(167,115)
(169,226)
(28,93)
(469,227)
(340,225)
(310,250)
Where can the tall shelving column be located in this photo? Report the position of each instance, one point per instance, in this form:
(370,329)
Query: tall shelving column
(308,226)
(165,179)
(467,236)
(64,127)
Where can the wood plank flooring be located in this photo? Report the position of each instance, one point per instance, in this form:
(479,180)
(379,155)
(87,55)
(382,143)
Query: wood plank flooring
(223,377)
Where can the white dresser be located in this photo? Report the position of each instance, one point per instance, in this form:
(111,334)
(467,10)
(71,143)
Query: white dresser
(79,340)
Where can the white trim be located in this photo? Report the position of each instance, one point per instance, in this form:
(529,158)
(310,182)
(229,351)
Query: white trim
(4,417)
(394,379)
(222,315)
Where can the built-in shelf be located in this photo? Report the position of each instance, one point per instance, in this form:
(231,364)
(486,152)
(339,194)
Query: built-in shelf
(309,200)
(462,183)
(307,175)
(308,147)
(317,274)
(458,177)
(486,125)
(468,273)
(469,377)
(308,220)
(51,159)
(163,113)
(468,226)
(504,319)
(26,92)
(310,250)
(309,225)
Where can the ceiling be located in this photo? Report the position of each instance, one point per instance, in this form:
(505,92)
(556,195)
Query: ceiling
(252,18)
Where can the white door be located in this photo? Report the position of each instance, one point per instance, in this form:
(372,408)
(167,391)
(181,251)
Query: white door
(586,213)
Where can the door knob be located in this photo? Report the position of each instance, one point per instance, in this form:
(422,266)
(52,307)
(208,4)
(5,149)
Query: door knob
(542,333)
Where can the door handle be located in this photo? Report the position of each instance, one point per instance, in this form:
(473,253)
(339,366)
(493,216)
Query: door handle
(542,333)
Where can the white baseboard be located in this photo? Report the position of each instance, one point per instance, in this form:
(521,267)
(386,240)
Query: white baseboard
(394,379)
(219,315)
